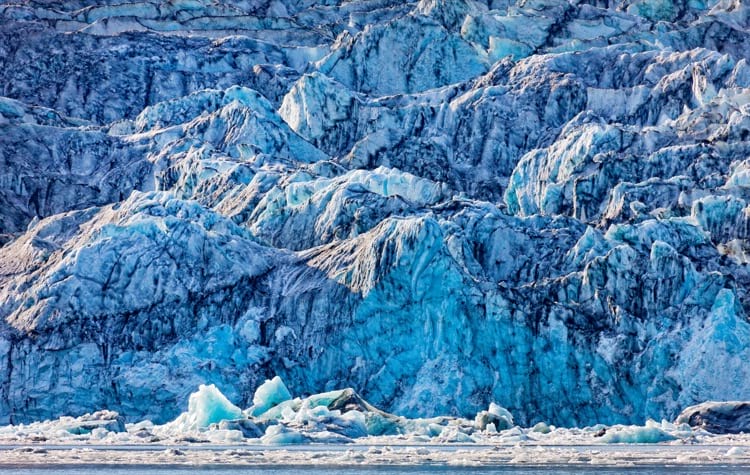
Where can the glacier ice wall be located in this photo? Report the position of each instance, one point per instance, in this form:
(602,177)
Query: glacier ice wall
(540,203)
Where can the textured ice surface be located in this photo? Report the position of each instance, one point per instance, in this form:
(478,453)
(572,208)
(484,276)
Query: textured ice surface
(443,204)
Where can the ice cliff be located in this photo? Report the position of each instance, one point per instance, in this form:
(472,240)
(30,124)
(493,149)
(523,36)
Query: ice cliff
(442,204)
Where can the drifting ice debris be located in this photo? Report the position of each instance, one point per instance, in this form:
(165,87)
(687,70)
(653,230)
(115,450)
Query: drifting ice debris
(107,420)
(731,417)
(342,416)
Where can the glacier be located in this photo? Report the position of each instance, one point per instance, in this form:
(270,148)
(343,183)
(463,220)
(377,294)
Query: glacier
(540,204)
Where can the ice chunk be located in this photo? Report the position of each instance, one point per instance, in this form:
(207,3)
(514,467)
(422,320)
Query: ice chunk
(718,417)
(285,410)
(651,433)
(514,435)
(269,394)
(500,417)
(541,428)
(248,428)
(280,435)
(207,406)
(501,412)
(735,452)
(221,436)
(453,435)
(109,421)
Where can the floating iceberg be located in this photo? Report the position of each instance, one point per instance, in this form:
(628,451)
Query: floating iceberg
(651,433)
(268,395)
(731,417)
(206,406)
(498,417)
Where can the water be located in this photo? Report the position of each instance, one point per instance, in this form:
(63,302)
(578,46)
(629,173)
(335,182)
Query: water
(137,460)
(380,470)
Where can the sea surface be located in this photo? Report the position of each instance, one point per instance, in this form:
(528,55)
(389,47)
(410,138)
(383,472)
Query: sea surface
(557,470)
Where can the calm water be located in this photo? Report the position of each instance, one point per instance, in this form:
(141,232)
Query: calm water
(88,470)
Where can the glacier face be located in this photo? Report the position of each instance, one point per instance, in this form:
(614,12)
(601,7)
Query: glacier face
(439,203)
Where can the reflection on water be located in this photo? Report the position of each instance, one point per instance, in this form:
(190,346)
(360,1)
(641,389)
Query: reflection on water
(557,470)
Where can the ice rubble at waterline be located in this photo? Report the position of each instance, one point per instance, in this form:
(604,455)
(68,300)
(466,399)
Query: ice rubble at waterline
(343,417)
